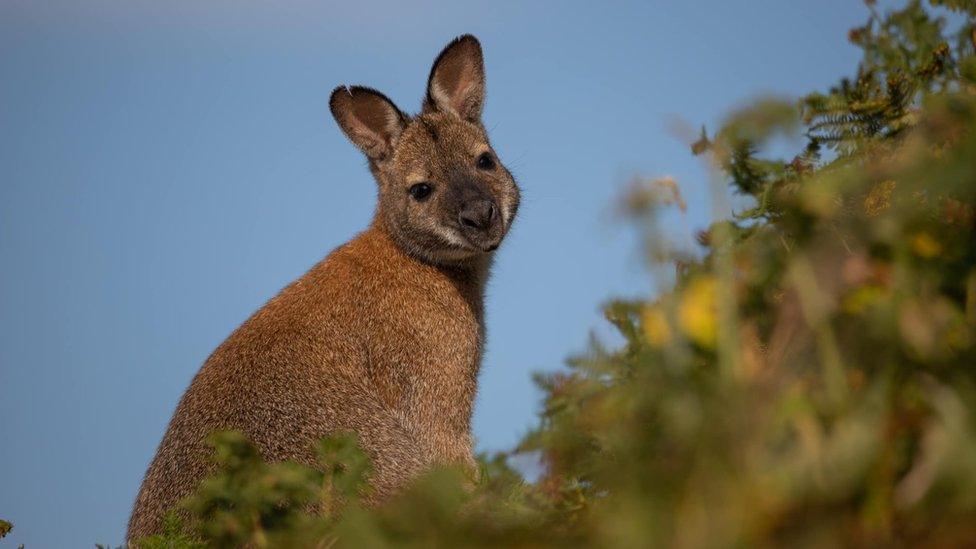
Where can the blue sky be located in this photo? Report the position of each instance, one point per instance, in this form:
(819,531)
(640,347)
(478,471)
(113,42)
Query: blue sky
(166,167)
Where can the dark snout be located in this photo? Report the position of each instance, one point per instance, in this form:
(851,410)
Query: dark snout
(478,215)
(480,222)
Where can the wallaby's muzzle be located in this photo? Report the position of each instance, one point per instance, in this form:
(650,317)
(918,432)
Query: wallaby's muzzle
(480,223)
(477,215)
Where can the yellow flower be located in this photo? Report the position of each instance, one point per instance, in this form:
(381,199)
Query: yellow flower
(925,245)
(697,311)
(862,298)
(656,328)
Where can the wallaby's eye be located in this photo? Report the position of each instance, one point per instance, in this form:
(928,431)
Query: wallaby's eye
(486,162)
(421,191)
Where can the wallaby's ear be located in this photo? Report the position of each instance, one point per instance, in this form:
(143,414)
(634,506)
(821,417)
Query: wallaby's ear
(457,80)
(368,118)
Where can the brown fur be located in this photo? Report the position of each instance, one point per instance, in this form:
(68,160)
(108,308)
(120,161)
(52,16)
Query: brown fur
(383,337)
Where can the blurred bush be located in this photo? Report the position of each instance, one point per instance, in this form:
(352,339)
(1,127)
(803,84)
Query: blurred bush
(810,379)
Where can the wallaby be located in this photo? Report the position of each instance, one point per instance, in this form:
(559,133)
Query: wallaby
(384,337)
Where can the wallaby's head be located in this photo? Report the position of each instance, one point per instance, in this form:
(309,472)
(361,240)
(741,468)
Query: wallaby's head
(443,193)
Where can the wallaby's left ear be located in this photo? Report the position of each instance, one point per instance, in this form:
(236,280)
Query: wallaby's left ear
(457,80)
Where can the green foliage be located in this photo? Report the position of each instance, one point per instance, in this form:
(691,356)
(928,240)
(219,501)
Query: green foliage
(905,56)
(173,537)
(809,380)
(258,504)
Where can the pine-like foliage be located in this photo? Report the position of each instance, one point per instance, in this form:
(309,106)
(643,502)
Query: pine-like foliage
(810,380)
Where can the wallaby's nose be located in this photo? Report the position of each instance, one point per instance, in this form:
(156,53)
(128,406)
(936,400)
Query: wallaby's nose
(478,215)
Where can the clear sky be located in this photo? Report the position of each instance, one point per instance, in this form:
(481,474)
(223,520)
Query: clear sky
(166,167)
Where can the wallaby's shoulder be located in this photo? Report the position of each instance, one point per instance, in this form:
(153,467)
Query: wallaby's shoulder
(343,275)
(311,312)
(371,266)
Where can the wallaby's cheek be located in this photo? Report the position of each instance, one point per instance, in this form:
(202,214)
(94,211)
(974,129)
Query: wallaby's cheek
(509,206)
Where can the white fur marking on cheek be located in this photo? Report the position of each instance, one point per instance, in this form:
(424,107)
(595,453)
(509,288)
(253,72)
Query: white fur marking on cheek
(506,209)
(450,236)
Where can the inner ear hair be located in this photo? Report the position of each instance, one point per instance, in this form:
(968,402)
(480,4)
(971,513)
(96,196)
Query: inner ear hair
(368,118)
(457,80)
